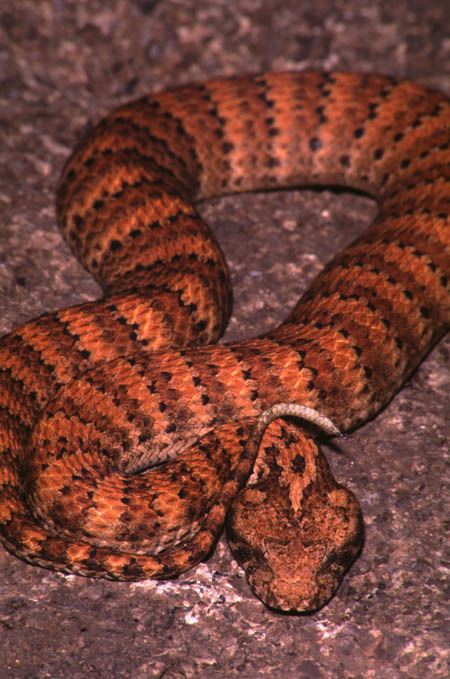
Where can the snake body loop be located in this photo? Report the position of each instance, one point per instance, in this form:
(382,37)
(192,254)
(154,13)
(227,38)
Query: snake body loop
(125,433)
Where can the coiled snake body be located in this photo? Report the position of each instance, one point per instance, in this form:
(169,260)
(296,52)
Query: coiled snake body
(125,437)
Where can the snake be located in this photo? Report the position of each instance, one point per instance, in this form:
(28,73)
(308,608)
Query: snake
(129,437)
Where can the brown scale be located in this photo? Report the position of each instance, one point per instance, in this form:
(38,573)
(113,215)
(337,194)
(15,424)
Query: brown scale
(87,409)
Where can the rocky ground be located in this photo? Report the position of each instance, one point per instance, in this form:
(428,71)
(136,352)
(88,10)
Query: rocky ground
(64,64)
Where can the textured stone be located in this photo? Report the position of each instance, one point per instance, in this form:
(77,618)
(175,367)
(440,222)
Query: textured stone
(62,65)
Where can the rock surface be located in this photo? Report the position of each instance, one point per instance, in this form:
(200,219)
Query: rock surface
(63,65)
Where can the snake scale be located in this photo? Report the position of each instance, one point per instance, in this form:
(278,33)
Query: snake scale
(127,436)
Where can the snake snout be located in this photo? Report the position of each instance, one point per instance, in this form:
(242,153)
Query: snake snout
(297,576)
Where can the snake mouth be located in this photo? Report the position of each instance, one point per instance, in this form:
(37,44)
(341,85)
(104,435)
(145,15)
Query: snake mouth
(301,591)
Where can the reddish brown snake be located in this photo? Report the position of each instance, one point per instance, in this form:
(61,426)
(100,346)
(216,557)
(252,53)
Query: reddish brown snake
(86,406)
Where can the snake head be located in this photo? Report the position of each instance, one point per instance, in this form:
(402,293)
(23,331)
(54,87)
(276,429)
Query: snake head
(294,529)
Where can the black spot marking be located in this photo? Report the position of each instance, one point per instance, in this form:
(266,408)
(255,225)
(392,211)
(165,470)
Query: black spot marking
(78,222)
(298,464)
(227,147)
(320,112)
(115,246)
(315,144)
(273,162)
(200,326)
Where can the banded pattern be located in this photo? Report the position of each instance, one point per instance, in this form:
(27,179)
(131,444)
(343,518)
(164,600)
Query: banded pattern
(125,435)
